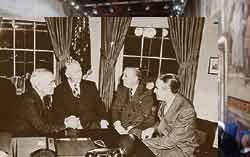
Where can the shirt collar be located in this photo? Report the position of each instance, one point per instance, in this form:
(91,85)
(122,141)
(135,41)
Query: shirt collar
(72,85)
(133,89)
(169,102)
(39,93)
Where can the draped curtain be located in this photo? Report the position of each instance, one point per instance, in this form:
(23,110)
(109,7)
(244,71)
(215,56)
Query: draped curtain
(60,30)
(114,30)
(186,36)
(80,46)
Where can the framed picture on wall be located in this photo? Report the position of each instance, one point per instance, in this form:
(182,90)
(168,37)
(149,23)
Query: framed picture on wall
(213,67)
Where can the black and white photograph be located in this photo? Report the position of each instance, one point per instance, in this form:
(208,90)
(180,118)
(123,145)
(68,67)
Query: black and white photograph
(113,78)
(213,67)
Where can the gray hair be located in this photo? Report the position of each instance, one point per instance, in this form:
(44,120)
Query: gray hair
(71,65)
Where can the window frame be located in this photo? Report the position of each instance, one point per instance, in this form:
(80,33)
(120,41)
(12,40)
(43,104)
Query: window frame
(34,50)
(141,56)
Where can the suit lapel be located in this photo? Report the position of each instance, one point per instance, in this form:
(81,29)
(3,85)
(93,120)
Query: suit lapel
(173,109)
(67,90)
(38,101)
(138,93)
(84,91)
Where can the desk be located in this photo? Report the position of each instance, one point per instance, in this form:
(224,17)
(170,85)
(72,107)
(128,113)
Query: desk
(113,140)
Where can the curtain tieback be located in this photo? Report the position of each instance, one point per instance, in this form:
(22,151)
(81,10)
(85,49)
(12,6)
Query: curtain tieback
(188,63)
(108,61)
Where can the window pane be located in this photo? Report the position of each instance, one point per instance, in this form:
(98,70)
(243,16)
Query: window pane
(44,60)
(131,62)
(132,45)
(168,51)
(24,62)
(152,47)
(6,38)
(131,31)
(43,41)
(169,66)
(24,39)
(6,63)
(6,24)
(158,32)
(150,67)
(41,26)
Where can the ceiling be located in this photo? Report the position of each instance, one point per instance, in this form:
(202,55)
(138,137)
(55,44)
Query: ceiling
(124,7)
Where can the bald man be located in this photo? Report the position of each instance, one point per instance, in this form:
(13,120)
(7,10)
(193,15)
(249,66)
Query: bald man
(32,115)
(132,107)
(77,100)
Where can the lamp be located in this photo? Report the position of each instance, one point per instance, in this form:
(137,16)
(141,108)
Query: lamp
(164,32)
(149,32)
(138,31)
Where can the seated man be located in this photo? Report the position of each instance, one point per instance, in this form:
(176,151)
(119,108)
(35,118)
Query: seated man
(132,107)
(77,101)
(176,129)
(32,114)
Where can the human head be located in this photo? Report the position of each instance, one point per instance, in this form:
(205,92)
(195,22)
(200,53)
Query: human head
(43,81)
(131,77)
(166,86)
(245,140)
(73,72)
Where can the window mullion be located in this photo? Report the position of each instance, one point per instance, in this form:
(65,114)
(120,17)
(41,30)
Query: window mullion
(14,47)
(142,45)
(162,39)
(34,47)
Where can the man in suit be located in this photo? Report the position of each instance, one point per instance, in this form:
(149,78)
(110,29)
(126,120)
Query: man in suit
(77,102)
(33,113)
(176,129)
(132,107)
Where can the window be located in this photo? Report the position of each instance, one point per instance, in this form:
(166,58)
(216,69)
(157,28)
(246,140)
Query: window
(151,50)
(24,46)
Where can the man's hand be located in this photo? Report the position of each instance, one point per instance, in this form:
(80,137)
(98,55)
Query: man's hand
(3,154)
(104,124)
(72,122)
(147,133)
(119,128)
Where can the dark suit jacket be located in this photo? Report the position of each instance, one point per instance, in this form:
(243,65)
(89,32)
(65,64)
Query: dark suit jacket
(7,103)
(32,117)
(89,107)
(137,111)
(177,130)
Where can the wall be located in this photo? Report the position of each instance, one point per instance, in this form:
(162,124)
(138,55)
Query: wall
(206,89)
(95,41)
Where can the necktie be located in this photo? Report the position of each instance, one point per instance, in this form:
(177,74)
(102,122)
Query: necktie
(47,101)
(162,108)
(130,94)
(76,91)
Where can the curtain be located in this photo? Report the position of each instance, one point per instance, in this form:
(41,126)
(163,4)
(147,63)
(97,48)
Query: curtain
(114,30)
(60,30)
(80,47)
(186,35)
